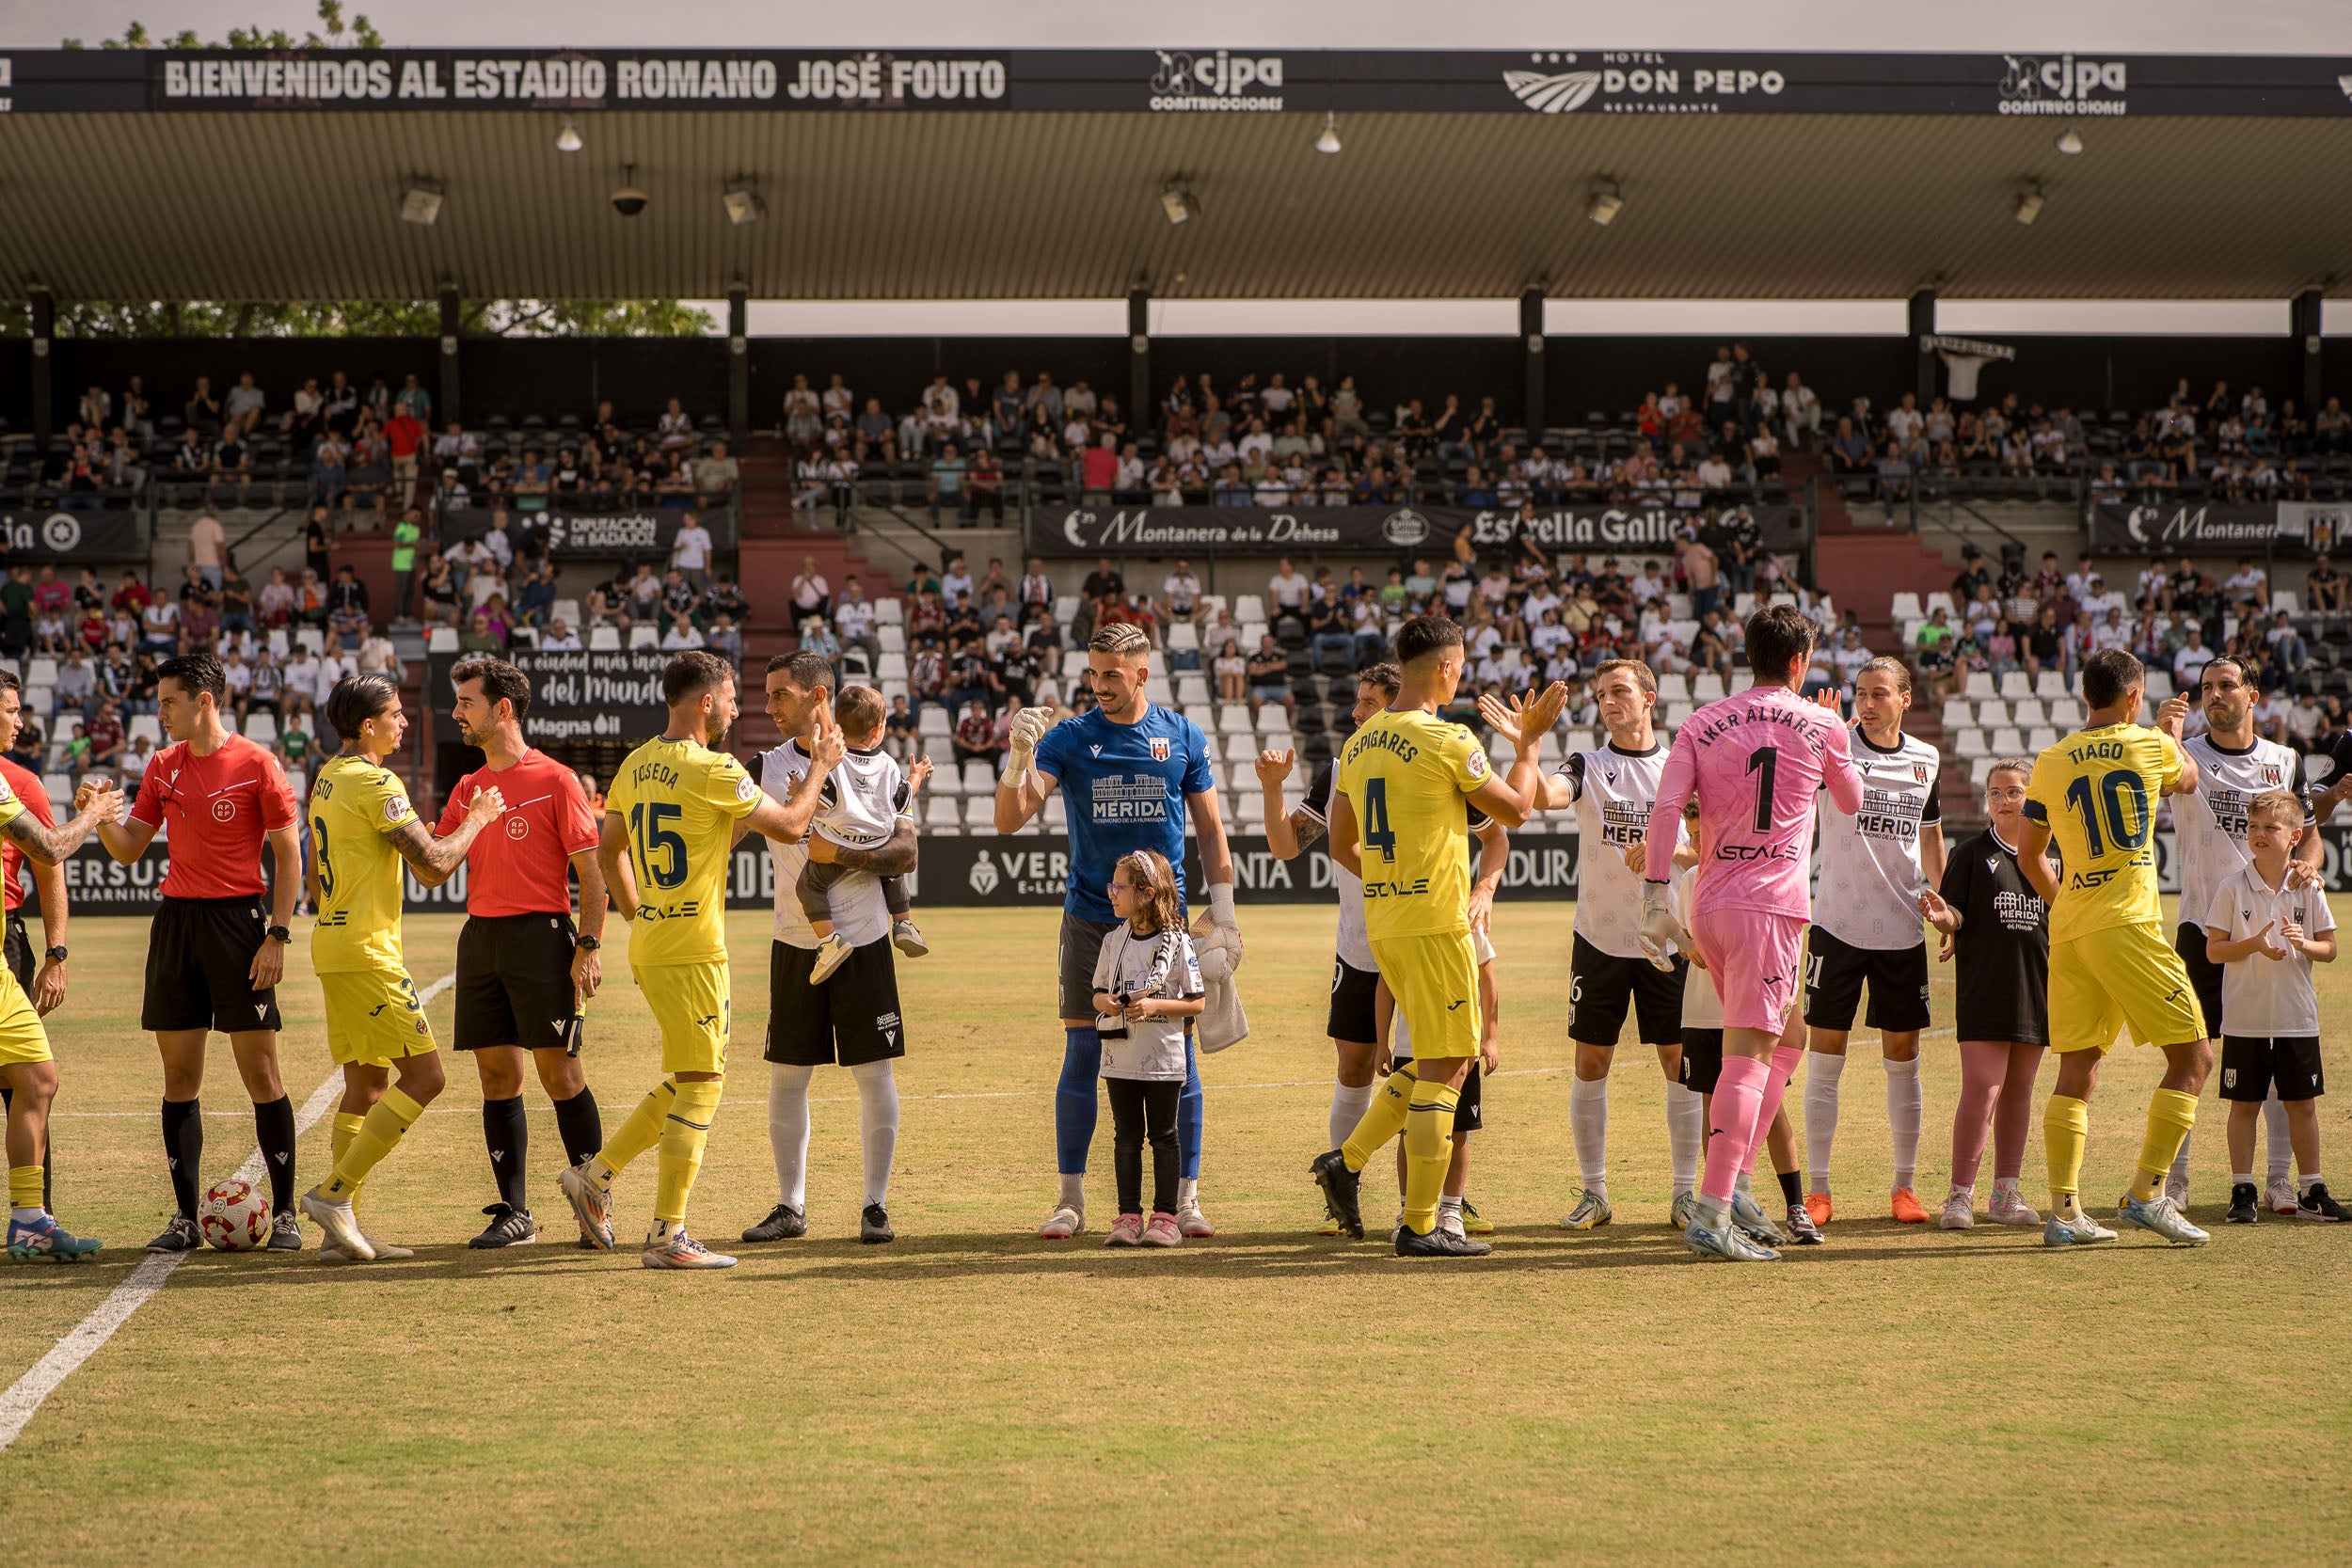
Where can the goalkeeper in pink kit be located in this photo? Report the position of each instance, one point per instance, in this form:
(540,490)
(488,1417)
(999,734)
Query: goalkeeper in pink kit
(1756,762)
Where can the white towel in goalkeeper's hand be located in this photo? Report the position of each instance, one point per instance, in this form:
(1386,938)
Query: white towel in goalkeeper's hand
(1222,1022)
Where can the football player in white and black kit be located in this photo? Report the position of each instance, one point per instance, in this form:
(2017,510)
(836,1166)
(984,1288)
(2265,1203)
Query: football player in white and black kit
(2234,765)
(1612,788)
(1874,865)
(1353,1023)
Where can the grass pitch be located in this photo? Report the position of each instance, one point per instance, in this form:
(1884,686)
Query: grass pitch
(973,1393)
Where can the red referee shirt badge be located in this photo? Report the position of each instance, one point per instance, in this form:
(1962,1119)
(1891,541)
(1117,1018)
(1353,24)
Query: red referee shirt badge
(1159,748)
(225,809)
(518,828)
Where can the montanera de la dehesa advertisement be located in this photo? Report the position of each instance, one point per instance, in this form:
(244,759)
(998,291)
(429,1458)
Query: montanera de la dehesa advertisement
(1271,530)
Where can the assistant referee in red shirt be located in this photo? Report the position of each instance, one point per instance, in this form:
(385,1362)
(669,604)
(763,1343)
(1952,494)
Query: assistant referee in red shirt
(524,970)
(216,954)
(47,989)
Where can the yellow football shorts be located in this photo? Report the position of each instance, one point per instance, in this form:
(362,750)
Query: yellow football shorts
(374,1017)
(22,1037)
(1435,981)
(690,1003)
(2123,976)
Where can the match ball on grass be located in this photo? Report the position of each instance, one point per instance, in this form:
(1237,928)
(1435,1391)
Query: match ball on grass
(234,1217)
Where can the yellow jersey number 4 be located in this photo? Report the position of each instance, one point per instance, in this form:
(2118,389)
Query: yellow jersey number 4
(1377,833)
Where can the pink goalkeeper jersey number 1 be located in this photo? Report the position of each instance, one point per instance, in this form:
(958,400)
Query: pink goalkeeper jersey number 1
(1757,761)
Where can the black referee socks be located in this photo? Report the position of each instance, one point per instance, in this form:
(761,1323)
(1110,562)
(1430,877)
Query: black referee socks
(507,1132)
(274,1130)
(582,1128)
(184,1150)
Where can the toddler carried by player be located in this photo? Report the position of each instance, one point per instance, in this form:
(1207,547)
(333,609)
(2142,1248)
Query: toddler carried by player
(858,809)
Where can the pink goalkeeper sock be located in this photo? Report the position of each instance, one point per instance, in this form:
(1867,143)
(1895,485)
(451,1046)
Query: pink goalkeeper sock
(1785,1060)
(1738,1099)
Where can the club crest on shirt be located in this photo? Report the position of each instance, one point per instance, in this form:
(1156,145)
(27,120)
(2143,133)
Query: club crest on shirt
(2271,774)
(1919,772)
(1159,748)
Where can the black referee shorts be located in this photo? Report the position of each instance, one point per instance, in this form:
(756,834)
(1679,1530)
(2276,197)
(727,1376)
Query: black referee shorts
(2204,975)
(514,983)
(200,967)
(20,951)
(852,1019)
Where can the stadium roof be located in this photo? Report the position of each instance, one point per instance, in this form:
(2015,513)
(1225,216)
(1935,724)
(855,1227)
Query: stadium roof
(133,176)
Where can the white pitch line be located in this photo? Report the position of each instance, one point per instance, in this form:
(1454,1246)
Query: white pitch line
(26,1395)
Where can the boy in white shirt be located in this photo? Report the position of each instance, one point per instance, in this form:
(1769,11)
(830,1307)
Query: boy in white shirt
(858,809)
(2267,935)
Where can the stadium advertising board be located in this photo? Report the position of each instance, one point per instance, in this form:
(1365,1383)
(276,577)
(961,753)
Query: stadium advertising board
(1179,80)
(988,871)
(2217,528)
(643,531)
(1107,530)
(35,538)
(614,695)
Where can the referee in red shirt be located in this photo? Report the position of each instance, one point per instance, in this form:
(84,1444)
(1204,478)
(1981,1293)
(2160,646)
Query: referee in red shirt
(523,971)
(217,951)
(48,990)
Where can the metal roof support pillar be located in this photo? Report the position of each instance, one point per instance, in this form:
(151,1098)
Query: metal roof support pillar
(1532,345)
(2312,398)
(738,369)
(1922,345)
(1138,360)
(44,310)
(452,396)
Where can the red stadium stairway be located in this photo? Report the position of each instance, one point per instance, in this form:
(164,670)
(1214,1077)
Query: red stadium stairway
(1861,565)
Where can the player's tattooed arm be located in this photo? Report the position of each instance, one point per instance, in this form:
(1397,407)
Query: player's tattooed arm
(433,859)
(893,859)
(1306,831)
(47,844)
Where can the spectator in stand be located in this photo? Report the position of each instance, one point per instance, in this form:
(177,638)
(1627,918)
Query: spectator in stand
(690,552)
(404,435)
(377,657)
(682,636)
(1230,669)
(442,593)
(2188,665)
(2249,587)
(715,476)
(945,486)
(347,605)
(975,738)
(724,639)
(2288,654)
(1269,678)
(984,484)
(902,733)
(676,426)
(812,595)
(854,619)
(106,734)
(480,635)
(560,638)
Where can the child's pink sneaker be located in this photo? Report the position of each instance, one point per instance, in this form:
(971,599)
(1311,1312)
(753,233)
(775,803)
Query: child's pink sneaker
(1126,1232)
(1162,1232)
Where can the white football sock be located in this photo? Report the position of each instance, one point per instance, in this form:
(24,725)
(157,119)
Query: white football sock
(1073,1192)
(788,1132)
(1349,1102)
(878,1124)
(1821,1072)
(1588,1120)
(2311,1178)
(2180,1162)
(2280,1149)
(1904,1104)
(1187,1193)
(1686,1133)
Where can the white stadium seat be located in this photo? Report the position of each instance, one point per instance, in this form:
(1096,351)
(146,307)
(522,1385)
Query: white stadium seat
(979,778)
(932,724)
(1674,687)
(980,813)
(2007,741)
(1183,638)
(1233,719)
(2039,739)
(1906,608)
(1578,740)
(946,779)
(260,727)
(1156,689)
(1957,715)
(2014,684)
(1706,686)
(2026,713)
(41,670)
(891,667)
(1980,686)
(443,641)
(889,612)
(602,639)
(643,637)
(891,640)
(1192,690)
(1249,608)
(146,725)
(2066,714)
(940,813)
(2049,685)
(1970,743)
(1073,662)
(567,611)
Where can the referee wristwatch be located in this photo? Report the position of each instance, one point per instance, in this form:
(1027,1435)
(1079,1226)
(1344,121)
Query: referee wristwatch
(588,944)
(280,933)
(55,954)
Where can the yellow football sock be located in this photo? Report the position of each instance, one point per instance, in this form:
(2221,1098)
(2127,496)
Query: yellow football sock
(1383,1119)
(2171,1115)
(379,1132)
(683,1134)
(2065,1132)
(639,1132)
(25,1186)
(1428,1150)
(347,1124)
